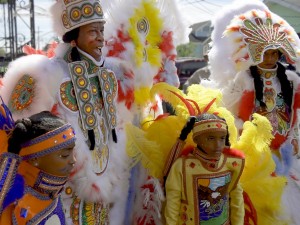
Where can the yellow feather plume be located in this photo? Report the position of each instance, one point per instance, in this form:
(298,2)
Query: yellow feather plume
(202,96)
(163,90)
(145,24)
(143,150)
(142,96)
(263,189)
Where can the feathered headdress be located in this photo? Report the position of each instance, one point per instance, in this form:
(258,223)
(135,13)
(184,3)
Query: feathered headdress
(255,31)
(222,67)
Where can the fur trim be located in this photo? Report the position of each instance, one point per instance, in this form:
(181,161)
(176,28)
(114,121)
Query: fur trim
(40,68)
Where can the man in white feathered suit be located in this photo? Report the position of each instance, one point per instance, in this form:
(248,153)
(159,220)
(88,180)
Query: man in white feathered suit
(98,95)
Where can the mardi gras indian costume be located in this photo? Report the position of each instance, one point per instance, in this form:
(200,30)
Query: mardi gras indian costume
(249,30)
(30,195)
(98,97)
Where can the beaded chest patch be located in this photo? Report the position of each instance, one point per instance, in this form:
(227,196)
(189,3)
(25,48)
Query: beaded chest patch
(85,100)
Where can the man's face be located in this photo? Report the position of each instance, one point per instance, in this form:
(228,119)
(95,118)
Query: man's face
(270,59)
(91,39)
(212,142)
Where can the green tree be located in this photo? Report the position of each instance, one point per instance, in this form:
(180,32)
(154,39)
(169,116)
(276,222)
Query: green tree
(186,50)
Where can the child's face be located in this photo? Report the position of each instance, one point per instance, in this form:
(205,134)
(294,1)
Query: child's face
(270,59)
(58,163)
(212,142)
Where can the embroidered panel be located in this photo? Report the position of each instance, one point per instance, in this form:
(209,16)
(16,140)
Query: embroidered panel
(83,95)
(90,213)
(109,86)
(212,198)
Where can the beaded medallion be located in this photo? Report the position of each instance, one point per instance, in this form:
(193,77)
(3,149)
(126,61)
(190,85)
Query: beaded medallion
(67,96)
(23,94)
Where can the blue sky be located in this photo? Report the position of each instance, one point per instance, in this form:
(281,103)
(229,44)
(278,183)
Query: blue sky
(193,11)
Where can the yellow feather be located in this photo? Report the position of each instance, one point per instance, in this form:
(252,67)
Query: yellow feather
(143,150)
(263,189)
(145,35)
(142,96)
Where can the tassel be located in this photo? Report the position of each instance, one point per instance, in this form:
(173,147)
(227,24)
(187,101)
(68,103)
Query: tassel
(114,136)
(91,136)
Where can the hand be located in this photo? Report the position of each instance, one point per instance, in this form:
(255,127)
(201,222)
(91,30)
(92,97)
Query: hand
(187,128)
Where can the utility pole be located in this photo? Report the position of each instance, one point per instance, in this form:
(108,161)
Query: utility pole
(32,23)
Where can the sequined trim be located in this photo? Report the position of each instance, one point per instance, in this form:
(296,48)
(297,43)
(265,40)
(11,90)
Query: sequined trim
(48,184)
(47,143)
(8,170)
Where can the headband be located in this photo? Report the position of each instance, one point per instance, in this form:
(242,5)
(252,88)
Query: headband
(52,141)
(209,125)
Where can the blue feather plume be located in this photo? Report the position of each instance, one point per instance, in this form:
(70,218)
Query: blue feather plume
(284,164)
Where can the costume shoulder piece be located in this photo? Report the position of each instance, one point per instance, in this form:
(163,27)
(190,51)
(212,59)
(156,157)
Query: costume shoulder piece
(29,85)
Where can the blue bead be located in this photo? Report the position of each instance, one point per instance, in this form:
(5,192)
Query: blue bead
(23,213)
(64,136)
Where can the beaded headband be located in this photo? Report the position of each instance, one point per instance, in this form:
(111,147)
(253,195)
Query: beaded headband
(47,143)
(209,125)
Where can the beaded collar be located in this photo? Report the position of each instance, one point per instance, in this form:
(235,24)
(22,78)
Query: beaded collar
(91,64)
(267,73)
(209,162)
(42,182)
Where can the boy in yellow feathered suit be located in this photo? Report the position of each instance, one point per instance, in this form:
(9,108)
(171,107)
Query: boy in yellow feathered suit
(203,187)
